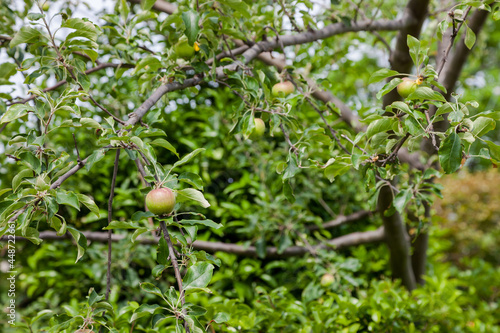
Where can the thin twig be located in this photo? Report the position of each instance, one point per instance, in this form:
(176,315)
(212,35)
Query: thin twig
(430,129)
(177,272)
(294,149)
(110,212)
(77,152)
(396,149)
(454,34)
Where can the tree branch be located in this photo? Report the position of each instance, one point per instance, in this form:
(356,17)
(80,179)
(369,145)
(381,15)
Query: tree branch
(396,235)
(175,265)
(63,82)
(110,216)
(338,221)
(342,242)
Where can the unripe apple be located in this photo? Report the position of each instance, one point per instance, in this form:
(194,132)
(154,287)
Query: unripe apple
(327,280)
(259,129)
(283,89)
(184,50)
(406,87)
(160,201)
(45,6)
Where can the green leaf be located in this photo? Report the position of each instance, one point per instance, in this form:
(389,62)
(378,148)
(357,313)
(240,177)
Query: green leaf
(93,158)
(470,38)
(450,153)
(401,106)
(83,28)
(67,198)
(16,181)
(198,275)
(292,168)
(426,93)
(147,4)
(336,169)
(94,297)
(188,157)
(208,223)
(402,199)
(192,179)
(89,203)
(162,252)
(378,126)
(14,112)
(192,194)
(191,19)
(483,125)
(25,35)
(288,191)
(31,161)
(151,288)
(388,87)
(165,144)
(382,74)
(238,6)
(494,150)
(152,63)
(89,122)
(81,242)
(221,317)
(145,309)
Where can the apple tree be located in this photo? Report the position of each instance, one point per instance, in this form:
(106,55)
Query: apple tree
(263,131)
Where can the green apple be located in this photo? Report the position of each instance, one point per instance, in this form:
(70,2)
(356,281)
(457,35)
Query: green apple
(160,201)
(327,280)
(184,50)
(283,89)
(406,87)
(259,129)
(45,6)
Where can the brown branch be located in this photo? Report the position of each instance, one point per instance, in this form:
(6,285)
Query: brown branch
(400,58)
(342,220)
(63,82)
(396,235)
(342,242)
(396,149)
(175,265)
(110,215)
(161,6)
(79,160)
(453,35)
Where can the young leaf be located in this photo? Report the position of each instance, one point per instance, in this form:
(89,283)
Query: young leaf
(81,242)
(188,157)
(382,74)
(190,19)
(67,198)
(450,153)
(198,275)
(378,126)
(470,38)
(14,112)
(89,203)
(192,194)
(25,35)
(483,125)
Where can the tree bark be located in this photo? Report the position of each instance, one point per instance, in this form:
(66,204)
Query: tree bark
(397,240)
(395,231)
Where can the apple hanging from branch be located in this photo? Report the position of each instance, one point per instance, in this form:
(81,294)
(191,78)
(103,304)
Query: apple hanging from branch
(282,89)
(160,201)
